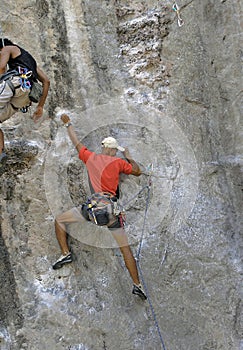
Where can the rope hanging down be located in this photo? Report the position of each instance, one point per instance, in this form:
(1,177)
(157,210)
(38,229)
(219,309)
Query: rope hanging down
(150,171)
(151,307)
(148,187)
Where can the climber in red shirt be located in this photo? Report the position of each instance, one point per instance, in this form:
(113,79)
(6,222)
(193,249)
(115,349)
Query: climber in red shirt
(103,170)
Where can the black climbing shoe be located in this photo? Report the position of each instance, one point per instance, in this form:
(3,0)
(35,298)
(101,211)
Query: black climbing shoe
(64,259)
(3,160)
(137,290)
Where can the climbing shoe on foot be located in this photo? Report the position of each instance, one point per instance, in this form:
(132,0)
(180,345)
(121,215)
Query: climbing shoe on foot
(137,290)
(64,259)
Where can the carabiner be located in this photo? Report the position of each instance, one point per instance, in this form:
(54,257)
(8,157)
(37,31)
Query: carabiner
(28,74)
(175,7)
(180,21)
(22,70)
(24,73)
(27,84)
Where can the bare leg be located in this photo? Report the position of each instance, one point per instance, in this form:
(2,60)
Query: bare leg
(120,236)
(68,217)
(61,221)
(130,264)
(61,235)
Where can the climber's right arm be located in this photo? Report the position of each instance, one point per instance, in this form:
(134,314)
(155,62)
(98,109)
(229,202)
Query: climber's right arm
(71,132)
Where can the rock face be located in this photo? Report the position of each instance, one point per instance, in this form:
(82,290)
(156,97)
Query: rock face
(172,95)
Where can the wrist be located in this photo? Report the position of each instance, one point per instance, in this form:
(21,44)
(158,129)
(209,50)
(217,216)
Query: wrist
(68,124)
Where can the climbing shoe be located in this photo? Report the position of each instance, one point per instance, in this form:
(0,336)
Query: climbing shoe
(137,290)
(3,160)
(64,259)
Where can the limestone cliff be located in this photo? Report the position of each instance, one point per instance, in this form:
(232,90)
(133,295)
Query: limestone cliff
(173,95)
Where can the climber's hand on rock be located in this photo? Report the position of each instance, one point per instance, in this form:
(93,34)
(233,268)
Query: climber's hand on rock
(65,118)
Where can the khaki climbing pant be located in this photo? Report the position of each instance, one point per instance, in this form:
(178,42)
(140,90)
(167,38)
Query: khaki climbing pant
(10,102)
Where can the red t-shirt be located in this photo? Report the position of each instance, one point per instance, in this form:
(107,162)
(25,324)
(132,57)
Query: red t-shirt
(104,170)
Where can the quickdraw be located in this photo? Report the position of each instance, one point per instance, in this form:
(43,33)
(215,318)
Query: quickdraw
(176,8)
(25,74)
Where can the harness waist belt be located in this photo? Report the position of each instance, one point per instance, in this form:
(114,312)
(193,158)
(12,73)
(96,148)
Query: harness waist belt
(8,75)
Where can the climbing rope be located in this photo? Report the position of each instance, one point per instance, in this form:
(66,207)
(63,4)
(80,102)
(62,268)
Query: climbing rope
(148,187)
(135,196)
(151,306)
(146,210)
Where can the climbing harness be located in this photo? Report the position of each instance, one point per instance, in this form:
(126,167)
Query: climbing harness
(98,208)
(149,172)
(176,8)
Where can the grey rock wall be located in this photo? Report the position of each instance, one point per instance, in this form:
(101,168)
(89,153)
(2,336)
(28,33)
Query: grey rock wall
(173,95)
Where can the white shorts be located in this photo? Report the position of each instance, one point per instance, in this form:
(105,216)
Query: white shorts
(10,104)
